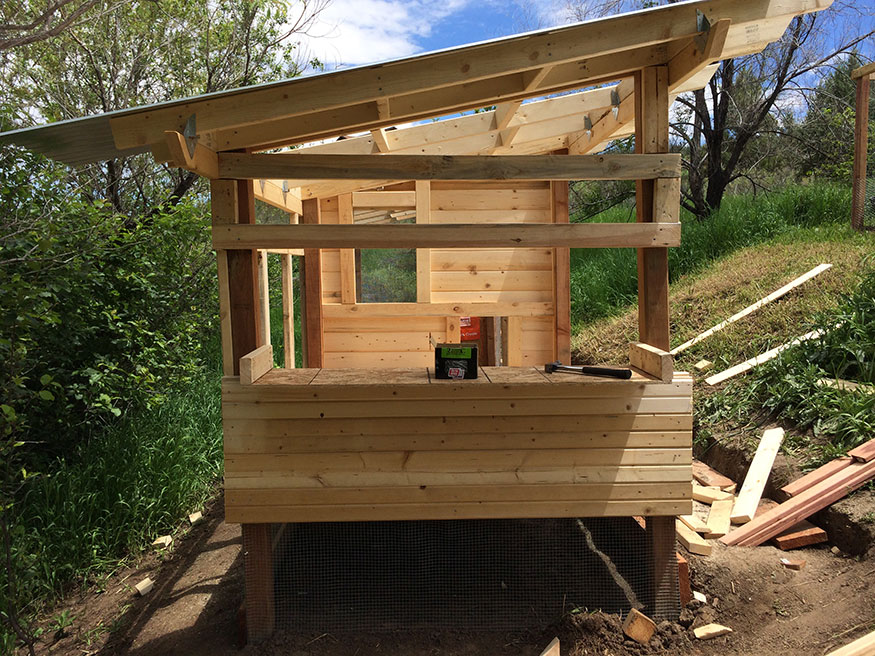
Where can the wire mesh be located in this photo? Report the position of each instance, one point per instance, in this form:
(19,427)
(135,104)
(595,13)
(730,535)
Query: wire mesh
(461,574)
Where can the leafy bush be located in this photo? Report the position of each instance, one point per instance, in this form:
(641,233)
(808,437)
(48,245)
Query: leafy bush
(789,387)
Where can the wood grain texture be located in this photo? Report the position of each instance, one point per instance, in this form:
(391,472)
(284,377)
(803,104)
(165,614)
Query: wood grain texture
(395,444)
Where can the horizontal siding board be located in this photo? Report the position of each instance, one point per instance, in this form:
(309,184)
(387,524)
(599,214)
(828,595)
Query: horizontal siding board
(494,259)
(468,281)
(494,510)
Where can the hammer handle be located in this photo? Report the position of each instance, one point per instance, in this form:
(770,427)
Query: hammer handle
(625,374)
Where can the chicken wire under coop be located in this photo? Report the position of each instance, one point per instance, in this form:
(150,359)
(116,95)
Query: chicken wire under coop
(502,574)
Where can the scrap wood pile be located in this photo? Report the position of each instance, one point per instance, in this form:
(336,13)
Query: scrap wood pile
(760,519)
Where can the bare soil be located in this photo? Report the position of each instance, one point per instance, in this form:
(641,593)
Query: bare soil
(194,606)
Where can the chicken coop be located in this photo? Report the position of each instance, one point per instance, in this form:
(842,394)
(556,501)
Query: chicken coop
(391,156)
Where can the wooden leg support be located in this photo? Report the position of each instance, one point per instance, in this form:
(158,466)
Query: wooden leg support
(662,558)
(259,594)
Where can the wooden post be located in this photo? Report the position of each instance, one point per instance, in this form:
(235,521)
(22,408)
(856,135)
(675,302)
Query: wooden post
(423,255)
(233,201)
(651,136)
(288,312)
(312,289)
(861,148)
(561,278)
(263,298)
(223,201)
(347,255)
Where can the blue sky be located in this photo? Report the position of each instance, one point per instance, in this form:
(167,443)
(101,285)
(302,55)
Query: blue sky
(353,32)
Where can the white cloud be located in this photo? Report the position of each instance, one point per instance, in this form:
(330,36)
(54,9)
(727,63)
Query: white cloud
(353,32)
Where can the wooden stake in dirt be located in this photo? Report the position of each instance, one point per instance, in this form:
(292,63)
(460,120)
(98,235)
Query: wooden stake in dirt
(775,295)
(747,365)
(195,517)
(163,542)
(757,475)
(792,564)
(711,631)
(639,627)
(144,587)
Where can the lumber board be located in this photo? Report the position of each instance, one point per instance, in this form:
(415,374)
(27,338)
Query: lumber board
(552,649)
(255,364)
(684,591)
(718,519)
(263,298)
(457,309)
(867,69)
(576,235)
(864,646)
(561,282)
(475,425)
(864,452)
(747,365)
(709,494)
(353,496)
(861,141)
(435,511)
(347,255)
(204,161)
(846,385)
(242,480)
(707,477)
(757,474)
(384,200)
(237,441)
(651,360)
(750,309)
(801,506)
(694,523)
(711,631)
(691,540)
(802,534)
(816,476)
(245,166)
(312,326)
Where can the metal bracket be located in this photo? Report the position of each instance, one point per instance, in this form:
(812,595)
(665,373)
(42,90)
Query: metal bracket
(587,125)
(615,102)
(190,134)
(261,184)
(285,189)
(703,26)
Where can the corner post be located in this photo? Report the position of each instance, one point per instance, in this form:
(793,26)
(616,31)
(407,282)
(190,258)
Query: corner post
(651,136)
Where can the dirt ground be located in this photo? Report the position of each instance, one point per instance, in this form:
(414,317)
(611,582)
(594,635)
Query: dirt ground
(193,610)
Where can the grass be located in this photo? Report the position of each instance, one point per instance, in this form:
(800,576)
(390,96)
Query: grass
(604,281)
(120,490)
(821,422)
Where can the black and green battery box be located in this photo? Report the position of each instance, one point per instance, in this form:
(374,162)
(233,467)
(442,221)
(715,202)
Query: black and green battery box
(455,361)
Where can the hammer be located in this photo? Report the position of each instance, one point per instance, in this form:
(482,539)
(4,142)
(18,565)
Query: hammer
(625,374)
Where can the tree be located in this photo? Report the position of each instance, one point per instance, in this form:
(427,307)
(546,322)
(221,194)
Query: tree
(725,129)
(24,23)
(151,51)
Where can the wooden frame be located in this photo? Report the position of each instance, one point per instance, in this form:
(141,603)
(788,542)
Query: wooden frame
(861,144)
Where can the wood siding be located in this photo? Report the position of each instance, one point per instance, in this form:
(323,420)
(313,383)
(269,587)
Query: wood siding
(348,445)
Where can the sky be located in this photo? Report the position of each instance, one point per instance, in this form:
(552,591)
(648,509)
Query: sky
(354,32)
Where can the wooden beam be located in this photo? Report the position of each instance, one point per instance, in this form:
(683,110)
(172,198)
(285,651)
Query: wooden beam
(757,474)
(814,477)
(288,312)
(450,167)
(258,581)
(311,218)
(204,161)
(561,277)
(243,280)
(747,365)
(395,310)
(255,364)
(380,142)
(347,255)
(475,235)
(272,193)
(423,255)
(863,71)
(454,330)
(514,352)
(863,453)
(698,54)
(861,145)
(651,136)
(775,295)
(384,200)
(864,646)
(719,519)
(263,298)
